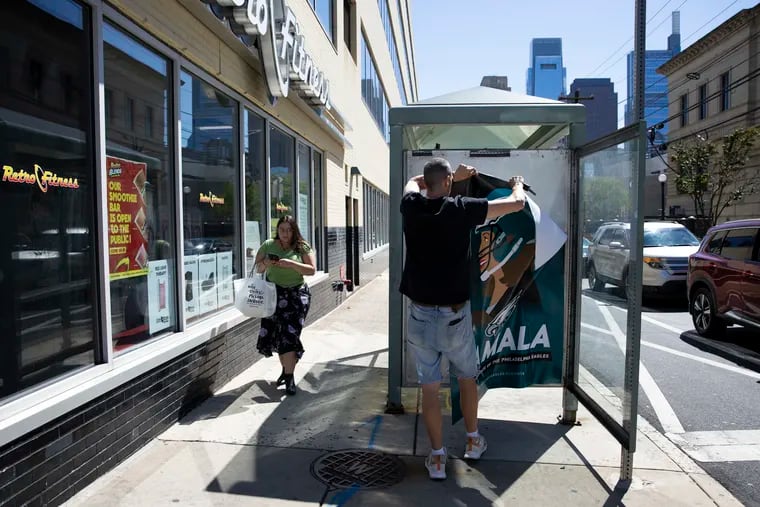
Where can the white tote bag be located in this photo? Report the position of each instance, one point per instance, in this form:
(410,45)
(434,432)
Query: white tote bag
(255,296)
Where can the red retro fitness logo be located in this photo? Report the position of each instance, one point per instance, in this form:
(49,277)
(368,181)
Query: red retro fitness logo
(44,179)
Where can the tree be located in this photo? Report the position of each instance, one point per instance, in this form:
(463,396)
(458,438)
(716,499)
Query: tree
(606,198)
(713,174)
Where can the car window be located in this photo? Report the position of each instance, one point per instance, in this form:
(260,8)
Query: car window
(738,244)
(606,237)
(713,246)
(620,237)
(672,236)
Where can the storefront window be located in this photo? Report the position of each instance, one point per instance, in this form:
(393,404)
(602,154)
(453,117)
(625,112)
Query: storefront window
(304,192)
(210,184)
(141,244)
(319,238)
(281,175)
(255,177)
(48,290)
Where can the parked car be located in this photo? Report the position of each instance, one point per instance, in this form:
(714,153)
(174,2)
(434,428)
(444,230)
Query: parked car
(586,244)
(724,278)
(666,250)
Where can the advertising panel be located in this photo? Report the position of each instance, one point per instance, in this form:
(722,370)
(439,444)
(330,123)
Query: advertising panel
(225,292)
(192,286)
(158,296)
(207,281)
(127,218)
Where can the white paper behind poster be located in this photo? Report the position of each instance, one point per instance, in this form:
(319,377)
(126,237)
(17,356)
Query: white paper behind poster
(208,279)
(303,214)
(191,296)
(224,289)
(158,296)
(252,243)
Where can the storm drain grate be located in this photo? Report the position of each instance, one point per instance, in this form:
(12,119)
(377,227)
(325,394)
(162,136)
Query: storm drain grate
(356,468)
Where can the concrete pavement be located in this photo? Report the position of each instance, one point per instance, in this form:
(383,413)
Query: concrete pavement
(249,445)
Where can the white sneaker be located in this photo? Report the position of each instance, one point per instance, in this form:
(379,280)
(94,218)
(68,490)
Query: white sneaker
(436,466)
(475,447)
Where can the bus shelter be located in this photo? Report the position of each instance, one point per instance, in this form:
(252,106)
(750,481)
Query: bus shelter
(578,187)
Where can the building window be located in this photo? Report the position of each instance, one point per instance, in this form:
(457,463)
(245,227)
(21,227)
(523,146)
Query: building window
(319,231)
(376,206)
(141,244)
(254,141)
(684,110)
(48,245)
(282,170)
(210,184)
(385,15)
(548,66)
(403,41)
(304,192)
(149,122)
(129,113)
(325,10)
(725,92)
(348,25)
(703,102)
(108,104)
(373,91)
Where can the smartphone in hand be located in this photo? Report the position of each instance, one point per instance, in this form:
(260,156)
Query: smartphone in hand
(273,257)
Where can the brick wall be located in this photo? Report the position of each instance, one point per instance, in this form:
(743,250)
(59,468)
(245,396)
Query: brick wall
(54,462)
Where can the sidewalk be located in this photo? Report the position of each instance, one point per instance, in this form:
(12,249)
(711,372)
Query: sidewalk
(248,445)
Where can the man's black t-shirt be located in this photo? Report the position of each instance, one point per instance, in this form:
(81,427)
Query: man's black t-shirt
(437,233)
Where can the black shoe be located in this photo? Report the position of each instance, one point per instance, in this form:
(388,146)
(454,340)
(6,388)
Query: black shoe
(290,386)
(281,378)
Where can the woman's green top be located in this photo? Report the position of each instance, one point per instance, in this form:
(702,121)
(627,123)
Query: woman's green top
(284,277)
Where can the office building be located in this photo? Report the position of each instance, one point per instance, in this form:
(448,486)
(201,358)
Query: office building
(601,101)
(655,86)
(148,149)
(498,82)
(546,74)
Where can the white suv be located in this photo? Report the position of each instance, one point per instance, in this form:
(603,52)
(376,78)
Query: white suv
(667,247)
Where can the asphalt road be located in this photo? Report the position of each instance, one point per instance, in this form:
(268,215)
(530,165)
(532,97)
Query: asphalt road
(704,395)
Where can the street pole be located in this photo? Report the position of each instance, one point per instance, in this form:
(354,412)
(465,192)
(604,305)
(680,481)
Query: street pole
(662,196)
(633,344)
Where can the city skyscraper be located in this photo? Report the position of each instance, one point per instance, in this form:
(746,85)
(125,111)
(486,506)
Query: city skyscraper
(601,111)
(498,82)
(655,86)
(546,74)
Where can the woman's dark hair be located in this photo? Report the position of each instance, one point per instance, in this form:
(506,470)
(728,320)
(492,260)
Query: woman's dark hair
(299,244)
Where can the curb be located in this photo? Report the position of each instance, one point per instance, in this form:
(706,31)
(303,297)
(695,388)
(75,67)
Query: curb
(749,359)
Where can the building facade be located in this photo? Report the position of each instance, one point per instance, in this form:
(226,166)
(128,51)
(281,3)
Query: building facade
(601,105)
(713,90)
(498,82)
(655,87)
(147,150)
(546,74)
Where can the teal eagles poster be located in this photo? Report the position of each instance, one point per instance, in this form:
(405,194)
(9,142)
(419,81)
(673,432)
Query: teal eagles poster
(517,294)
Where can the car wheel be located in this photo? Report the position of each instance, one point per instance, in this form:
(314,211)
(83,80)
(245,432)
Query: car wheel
(706,322)
(593,279)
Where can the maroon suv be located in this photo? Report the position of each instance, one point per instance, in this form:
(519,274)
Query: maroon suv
(724,278)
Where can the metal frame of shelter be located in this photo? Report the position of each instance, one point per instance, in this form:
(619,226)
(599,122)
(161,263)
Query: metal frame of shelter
(459,118)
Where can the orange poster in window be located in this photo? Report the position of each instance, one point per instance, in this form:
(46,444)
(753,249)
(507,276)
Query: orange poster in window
(127,218)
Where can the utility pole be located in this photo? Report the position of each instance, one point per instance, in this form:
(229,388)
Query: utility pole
(575,98)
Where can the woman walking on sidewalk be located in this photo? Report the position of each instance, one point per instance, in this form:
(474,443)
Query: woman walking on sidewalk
(286,258)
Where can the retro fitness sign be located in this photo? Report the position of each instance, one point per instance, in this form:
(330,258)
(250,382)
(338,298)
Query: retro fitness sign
(44,179)
(127,217)
(282,45)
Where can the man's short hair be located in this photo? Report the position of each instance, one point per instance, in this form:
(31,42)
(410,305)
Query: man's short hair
(436,171)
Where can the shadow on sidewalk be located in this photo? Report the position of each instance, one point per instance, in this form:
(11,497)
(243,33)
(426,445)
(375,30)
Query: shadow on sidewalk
(341,406)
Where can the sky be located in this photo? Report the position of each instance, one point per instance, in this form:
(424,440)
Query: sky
(457,42)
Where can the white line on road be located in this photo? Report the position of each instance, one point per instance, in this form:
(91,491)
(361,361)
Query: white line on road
(720,446)
(686,355)
(660,404)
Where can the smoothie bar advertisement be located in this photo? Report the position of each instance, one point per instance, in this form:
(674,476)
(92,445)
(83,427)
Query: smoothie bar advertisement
(127,215)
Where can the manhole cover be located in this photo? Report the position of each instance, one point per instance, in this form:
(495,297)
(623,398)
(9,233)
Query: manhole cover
(357,468)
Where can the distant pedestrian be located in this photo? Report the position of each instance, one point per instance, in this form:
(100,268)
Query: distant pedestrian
(436,279)
(286,258)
